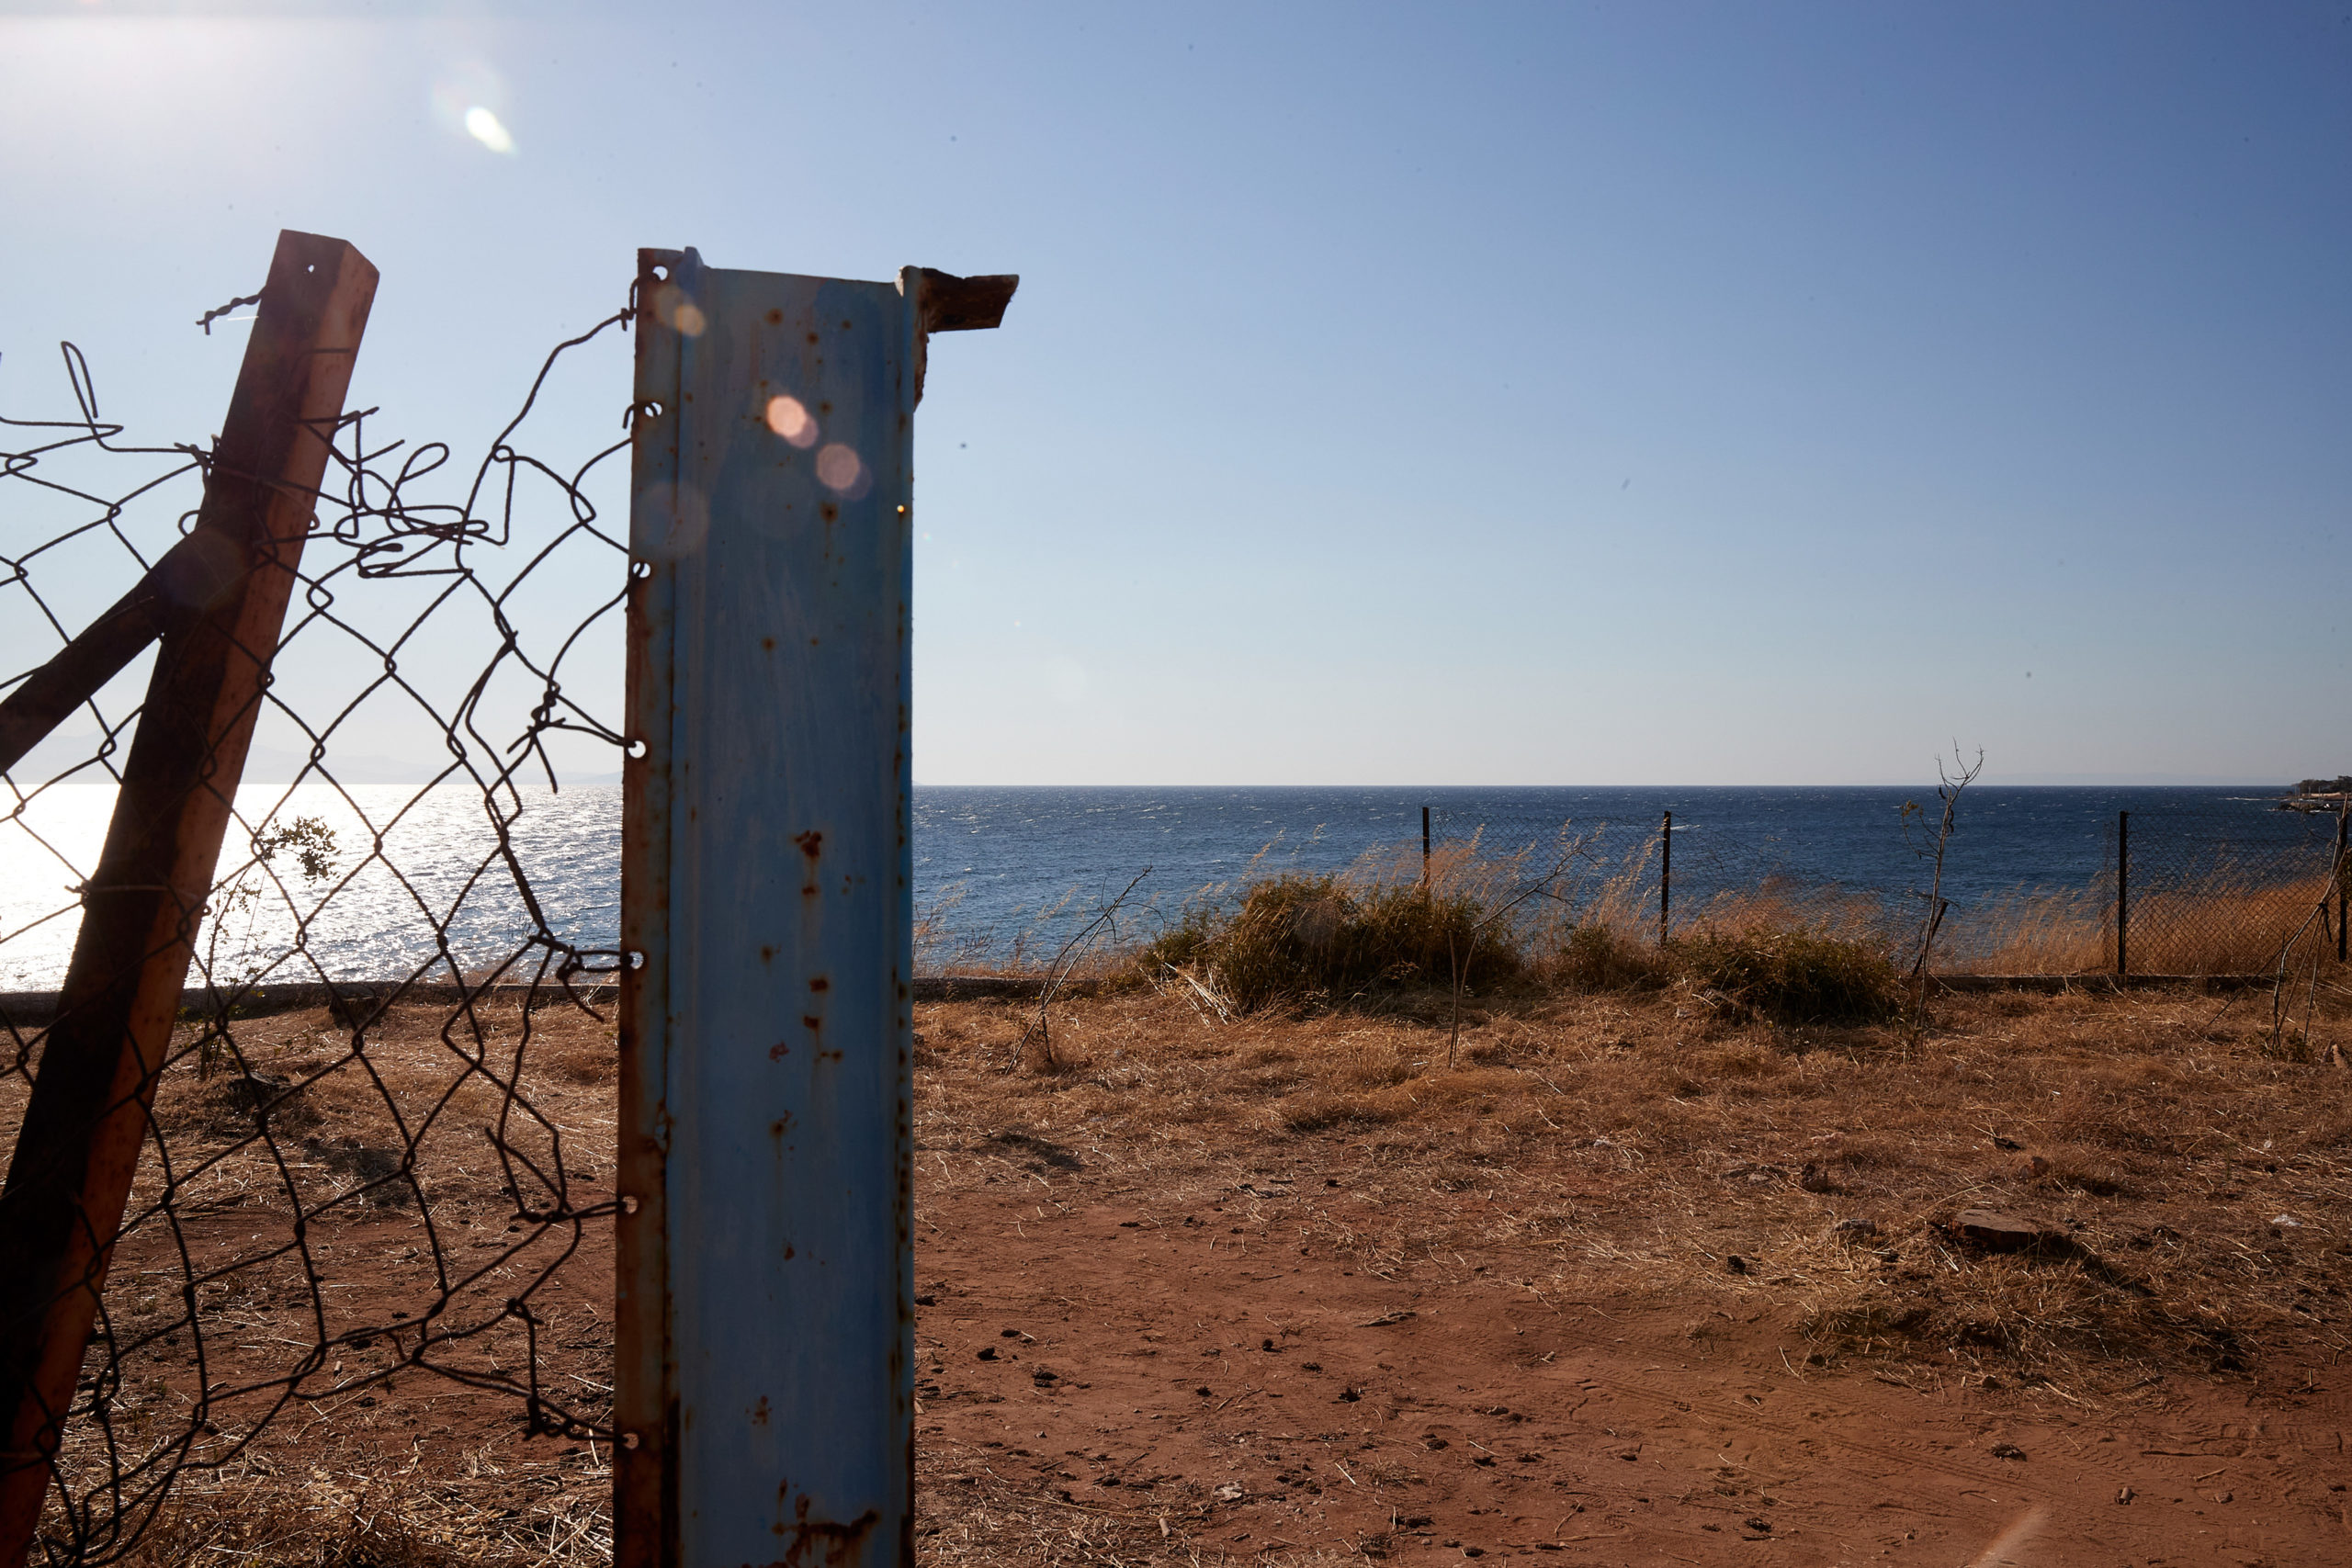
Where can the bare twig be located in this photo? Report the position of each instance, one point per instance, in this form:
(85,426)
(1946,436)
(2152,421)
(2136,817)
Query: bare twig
(1107,919)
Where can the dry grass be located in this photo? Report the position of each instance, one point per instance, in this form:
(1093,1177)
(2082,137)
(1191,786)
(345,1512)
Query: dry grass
(1607,1136)
(2227,926)
(1630,1144)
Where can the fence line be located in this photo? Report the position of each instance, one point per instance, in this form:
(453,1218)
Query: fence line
(2187,892)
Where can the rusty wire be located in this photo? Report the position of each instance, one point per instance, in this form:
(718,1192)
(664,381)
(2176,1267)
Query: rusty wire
(328,1208)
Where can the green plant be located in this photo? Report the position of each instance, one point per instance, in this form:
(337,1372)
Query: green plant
(311,844)
(1791,976)
(1597,957)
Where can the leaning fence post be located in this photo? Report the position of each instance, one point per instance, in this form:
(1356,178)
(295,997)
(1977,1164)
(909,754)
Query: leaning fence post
(78,1146)
(1664,873)
(1425,848)
(2123,893)
(764,1388)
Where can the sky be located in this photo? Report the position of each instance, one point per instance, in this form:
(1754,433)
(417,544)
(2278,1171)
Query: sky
(1449,395)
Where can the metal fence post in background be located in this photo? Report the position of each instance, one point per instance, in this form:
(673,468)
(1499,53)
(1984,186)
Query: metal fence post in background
(78,1146)
(765,1387)
(2343,875)
(1664,873)
(2123,893)
(1425,848)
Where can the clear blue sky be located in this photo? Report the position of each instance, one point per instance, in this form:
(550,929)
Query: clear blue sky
(1452,394)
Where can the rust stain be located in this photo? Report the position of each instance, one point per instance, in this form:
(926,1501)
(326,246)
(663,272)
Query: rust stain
(768,643)
(821,1543)
(759,1412)
(811,1020)
(811,843)
(775,318)
(779,1051)
(767,953)
(820,984)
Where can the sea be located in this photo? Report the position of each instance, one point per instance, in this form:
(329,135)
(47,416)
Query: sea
(419,881)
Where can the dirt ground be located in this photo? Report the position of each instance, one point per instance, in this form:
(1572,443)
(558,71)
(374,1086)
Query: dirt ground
(1627,1283)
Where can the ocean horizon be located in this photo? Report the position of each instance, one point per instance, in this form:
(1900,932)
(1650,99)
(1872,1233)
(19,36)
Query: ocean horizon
(1006,871)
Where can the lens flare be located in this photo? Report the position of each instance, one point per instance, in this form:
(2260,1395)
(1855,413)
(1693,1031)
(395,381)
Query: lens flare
(790,418)
(486,128)
(838,468)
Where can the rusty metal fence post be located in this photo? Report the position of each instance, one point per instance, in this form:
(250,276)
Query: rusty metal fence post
(2123,894)
(2342,876)
(78,1147)
(764,1387)
(1664,873)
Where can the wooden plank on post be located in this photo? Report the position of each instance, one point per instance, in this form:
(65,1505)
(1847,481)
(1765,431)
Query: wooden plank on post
(192,574)
(78,1147)
(765,1379)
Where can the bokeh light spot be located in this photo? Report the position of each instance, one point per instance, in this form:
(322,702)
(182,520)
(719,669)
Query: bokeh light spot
(838,468)
(790,418)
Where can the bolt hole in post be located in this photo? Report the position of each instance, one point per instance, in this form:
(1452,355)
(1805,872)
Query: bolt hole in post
(636,748)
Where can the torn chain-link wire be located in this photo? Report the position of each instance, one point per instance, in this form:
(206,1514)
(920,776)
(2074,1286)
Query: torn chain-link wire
(378,1145)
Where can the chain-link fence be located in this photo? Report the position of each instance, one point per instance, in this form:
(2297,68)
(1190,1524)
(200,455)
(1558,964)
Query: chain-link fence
(2182,890)
(376,1145)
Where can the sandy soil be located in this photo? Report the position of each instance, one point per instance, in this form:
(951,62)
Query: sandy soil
(1211,1290)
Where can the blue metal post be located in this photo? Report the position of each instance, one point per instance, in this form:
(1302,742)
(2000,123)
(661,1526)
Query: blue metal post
(764,1388)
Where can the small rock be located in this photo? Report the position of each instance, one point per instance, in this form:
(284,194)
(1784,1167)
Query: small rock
(1758,1523)
(2007,1450)
(2033,1167)
(248,1092)
(1849,1230)
(1813,1178)
(1228,1492)
(2288,1220)
(1997,1232)
(2125,1495)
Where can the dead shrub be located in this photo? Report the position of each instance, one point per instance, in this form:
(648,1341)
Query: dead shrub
(1304,939)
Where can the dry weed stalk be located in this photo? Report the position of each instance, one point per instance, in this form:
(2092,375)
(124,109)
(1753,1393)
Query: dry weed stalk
(1104,924)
